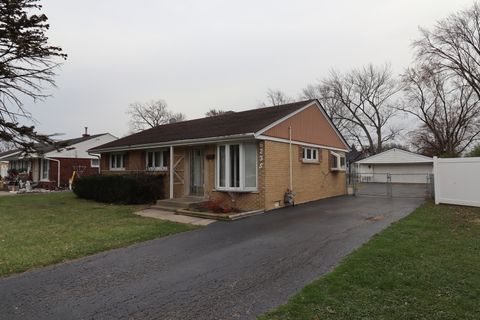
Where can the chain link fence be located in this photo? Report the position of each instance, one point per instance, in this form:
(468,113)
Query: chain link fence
(406,185)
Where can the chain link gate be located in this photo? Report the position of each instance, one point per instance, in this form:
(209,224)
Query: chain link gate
(389,185)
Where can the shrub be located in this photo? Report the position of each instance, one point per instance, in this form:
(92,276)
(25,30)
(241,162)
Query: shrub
(120,189)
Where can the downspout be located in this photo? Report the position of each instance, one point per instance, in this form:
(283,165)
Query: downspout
(58,170)
(290,157)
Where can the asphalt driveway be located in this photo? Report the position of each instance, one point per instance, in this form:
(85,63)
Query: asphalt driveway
(227,270)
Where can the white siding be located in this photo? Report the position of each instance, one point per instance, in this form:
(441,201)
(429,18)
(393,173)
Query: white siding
(457,181)
(79,150)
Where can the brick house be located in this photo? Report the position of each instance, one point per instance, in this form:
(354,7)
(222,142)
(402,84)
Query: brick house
(248,158)
(52,166)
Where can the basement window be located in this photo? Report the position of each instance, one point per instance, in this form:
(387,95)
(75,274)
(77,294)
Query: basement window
(236,167)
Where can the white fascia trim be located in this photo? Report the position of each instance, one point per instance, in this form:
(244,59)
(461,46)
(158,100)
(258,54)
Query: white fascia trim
(300,143)
(273,124)
(177,143)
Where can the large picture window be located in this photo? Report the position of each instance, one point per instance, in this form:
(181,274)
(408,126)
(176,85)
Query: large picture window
(237,167)
(157,160)
(117,161)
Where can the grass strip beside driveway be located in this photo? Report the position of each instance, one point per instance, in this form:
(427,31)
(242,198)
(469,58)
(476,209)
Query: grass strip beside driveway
(426,266)
(38,230)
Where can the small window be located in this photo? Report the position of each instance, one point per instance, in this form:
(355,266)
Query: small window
(337,161)
(95,163)
(117,161)
(157,160)
(310,154)
(44,169)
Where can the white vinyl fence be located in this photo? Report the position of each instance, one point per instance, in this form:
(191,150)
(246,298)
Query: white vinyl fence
(457,181)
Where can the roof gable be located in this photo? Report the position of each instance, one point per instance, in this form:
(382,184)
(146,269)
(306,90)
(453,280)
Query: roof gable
(395,155)
(310,125)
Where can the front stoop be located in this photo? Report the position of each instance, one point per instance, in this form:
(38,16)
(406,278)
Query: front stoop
(175,204)
(219,216)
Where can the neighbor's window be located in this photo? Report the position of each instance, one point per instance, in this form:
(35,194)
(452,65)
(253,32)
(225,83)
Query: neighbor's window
(310,154)
(157,160)
(337,161)
(95,163)
(237,167)
(44,169)
(117,161)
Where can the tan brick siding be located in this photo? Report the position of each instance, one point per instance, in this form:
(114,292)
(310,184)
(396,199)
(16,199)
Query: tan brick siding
(310,181)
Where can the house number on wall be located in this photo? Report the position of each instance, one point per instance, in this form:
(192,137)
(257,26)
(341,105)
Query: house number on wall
(260,155)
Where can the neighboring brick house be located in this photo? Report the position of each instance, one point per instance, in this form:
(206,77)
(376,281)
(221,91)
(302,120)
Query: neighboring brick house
(52,166)
(248,158)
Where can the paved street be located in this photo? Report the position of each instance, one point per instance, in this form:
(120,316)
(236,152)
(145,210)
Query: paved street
(227,270)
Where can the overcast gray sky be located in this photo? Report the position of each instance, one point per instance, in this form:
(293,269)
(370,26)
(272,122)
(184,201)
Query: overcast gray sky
(207,54)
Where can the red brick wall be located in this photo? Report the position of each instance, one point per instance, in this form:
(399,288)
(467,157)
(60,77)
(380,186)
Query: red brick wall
(67,166)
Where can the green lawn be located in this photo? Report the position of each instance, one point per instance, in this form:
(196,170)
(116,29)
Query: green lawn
(426,266)
(38,230)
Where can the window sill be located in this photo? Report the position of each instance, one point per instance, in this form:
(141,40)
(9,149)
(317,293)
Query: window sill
(117,169)
(159,169)
(338,169)
(235,190)
(310,161)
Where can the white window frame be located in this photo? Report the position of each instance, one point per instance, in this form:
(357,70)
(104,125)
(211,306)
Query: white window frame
(339,166)
(242,187)
(312,152)
(161,168)
(95,165)
(122,167)
(42,170)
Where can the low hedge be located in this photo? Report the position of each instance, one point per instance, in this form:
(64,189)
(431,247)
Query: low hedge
(120,189)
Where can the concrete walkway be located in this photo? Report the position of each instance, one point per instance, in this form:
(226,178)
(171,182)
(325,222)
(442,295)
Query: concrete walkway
(170,216)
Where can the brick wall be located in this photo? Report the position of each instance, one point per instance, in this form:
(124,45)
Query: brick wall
(67,166)
(311,181)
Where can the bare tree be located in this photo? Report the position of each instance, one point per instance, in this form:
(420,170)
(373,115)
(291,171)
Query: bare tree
(216,112)
(6,146)
(27,63)
(276,97)
(453,46)
(448,110)
(151,114)
(361,104)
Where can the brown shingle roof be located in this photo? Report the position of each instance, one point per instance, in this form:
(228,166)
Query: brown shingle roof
(228,124)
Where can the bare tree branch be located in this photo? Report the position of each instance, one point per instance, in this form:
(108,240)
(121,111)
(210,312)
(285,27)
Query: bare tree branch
(361,104)
(27,65)
(151,114)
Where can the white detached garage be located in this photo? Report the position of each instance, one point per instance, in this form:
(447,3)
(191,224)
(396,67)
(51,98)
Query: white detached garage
(398,165)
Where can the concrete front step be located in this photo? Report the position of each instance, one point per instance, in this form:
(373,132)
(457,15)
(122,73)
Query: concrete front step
(173,205)
(164,208)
